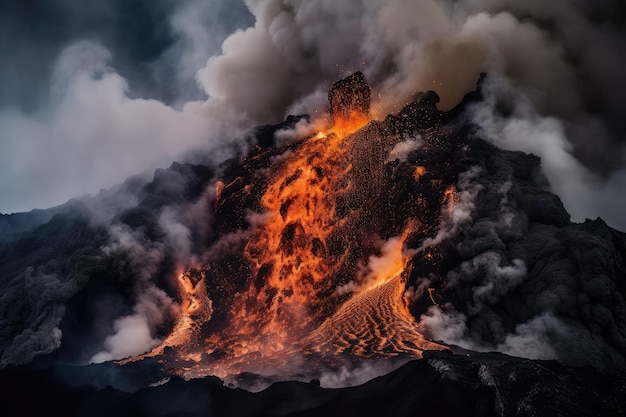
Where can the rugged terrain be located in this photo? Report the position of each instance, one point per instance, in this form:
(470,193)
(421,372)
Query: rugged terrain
(401,237)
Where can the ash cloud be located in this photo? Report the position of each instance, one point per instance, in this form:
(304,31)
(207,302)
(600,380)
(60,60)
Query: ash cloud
(555,66)
(104,95)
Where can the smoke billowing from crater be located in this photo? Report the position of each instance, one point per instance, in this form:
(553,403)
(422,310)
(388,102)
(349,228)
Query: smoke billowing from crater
(554,67)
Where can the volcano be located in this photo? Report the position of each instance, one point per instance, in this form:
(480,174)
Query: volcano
(346,266)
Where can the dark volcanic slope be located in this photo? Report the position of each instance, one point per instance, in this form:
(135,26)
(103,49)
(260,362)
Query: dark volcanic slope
(522,261)
(58,280)
(442,384)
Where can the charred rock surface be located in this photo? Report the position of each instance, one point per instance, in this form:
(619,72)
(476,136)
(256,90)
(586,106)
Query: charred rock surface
(496,255)
(350,95)
(442,384)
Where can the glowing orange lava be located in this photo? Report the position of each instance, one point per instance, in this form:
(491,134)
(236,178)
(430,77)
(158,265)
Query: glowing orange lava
(289,253)
(307,294)
(376,320)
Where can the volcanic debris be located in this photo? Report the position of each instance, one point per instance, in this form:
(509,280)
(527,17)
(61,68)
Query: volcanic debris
(350,95)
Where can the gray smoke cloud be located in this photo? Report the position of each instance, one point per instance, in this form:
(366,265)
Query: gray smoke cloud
(556,68)
(134,333)
(38,297)
(92,136)
(180,230)
(107,102)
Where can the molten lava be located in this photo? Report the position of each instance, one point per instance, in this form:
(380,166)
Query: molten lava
(376,320)
(310,290)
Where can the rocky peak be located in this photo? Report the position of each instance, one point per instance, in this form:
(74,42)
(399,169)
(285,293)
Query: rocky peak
(349,96)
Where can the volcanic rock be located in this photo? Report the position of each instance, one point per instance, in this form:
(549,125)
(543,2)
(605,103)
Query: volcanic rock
(349,96)
(466,384)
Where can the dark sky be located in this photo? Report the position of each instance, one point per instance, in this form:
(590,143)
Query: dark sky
(138,33)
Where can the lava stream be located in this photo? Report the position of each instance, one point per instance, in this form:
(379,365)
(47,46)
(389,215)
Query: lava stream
(314,208)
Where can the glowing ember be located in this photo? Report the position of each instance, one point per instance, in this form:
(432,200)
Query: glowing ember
(419,171)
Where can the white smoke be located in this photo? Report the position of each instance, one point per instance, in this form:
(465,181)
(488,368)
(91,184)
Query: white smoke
(542,337)
(134,333)
(489,281)
(448,326)
(401,150)
(455,214)
(133,336)
(495,279)
(583,192)
(93,135)
(533,339)
(303,128)
(351,376)
(379,268)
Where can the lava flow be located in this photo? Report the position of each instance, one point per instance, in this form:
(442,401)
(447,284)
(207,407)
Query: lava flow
(321,280)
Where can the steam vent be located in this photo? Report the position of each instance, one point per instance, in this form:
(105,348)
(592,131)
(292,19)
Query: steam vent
(409,249)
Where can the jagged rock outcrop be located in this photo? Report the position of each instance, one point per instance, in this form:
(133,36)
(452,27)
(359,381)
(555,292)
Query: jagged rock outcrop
(350,95)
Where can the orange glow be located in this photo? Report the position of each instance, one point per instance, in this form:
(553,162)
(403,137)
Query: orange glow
(345,127)
(290,305)
(450,199)
(289,254)
(431,291)
(419,171)
(219,187)
(196,308)
(374,322)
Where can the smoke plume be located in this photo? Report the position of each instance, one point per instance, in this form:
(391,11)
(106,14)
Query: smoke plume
(555,68)
(528,281)
(561,90)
